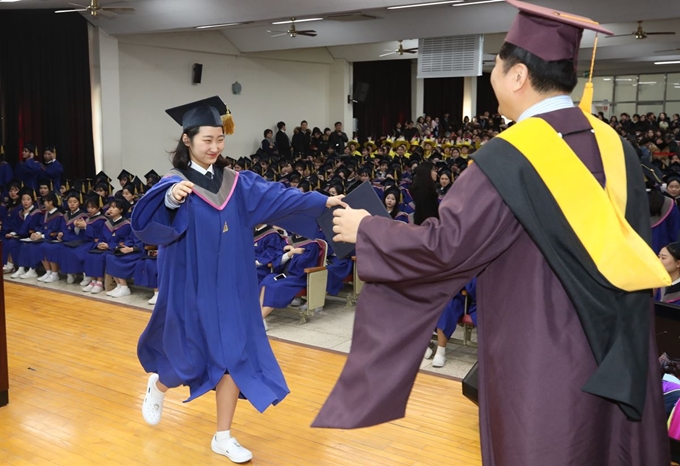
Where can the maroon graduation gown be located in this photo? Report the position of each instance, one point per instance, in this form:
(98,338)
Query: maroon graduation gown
(533,354)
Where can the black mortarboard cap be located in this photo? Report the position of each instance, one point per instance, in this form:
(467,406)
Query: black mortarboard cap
(101,176)
(125,174)
(152,174)
(74,193)
(205,112)
(45,182)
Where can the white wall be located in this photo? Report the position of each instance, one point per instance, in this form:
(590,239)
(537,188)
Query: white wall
(155,74)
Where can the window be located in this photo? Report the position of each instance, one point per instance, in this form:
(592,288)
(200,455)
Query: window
(625,88)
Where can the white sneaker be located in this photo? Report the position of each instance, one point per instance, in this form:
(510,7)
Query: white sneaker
(153,299)
(70,278)
(439,360)
(89,286)
(231,449)
(113,291)
(44,277)
(53,278)
(152,407)
(296,302)
(86,280)
(31,274)
(97,288)
(8,268)
(20,271)
(121,292)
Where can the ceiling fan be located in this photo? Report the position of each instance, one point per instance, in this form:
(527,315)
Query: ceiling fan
(671,50)
(96,10)
(642,34)
(401,50)
(293,32)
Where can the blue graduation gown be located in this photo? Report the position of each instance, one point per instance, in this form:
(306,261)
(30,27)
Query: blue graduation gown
(28,172)
(455,310)
(207,319)
(123,266)
(53,171)
(666,227)
(71,259)
(112,234)
(146,272)
(24,226)
(68,230)
(279,293)
(6,174)
(268,246)
(33,253)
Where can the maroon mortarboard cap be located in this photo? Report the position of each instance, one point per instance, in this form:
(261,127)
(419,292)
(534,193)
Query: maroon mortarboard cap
(548,33)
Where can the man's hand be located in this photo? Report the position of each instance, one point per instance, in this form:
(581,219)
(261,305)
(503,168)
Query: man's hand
(346,224)
(336,201)
(126,249)
(181,190)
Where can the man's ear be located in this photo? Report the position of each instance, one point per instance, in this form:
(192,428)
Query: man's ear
(520,76)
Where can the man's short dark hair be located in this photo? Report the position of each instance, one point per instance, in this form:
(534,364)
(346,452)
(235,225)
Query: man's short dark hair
(545,76)
(280,124)
(303,122)
(338,123)
(267,131)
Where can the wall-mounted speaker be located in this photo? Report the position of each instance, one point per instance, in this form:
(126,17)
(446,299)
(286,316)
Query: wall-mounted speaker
(197,73)
(360,92)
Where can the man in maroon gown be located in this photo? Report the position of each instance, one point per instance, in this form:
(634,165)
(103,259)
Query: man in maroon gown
(558,386)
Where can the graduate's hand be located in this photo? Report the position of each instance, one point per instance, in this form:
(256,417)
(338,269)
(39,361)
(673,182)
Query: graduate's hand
(288,248)
(35,236)
(181,190)
(102,246)
(60,235)
(126,250)
(297,251)
(346,224)
(336,201)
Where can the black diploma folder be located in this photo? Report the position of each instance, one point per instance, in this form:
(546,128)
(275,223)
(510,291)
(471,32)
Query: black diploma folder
(363,197)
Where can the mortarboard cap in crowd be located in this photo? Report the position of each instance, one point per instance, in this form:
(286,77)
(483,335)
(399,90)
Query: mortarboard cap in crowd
(205,112)
(101,176)
(152,175)
(46,182)
(74,193)
(125,174)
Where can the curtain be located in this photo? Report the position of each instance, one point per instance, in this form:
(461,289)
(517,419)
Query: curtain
(444,95)
(486,99)
(389,96)
(45,87)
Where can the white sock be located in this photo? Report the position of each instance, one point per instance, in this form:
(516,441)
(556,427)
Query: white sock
(223,435)
(156,390)
(22,270)
(98,283)
(441,350)
(9,264)
(50,273)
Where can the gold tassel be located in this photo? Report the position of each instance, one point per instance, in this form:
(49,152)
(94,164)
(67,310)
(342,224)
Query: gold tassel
(2,149)
(228,123)
(586,103)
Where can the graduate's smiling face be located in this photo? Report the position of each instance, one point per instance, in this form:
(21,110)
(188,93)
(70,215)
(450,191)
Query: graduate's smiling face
(206,146)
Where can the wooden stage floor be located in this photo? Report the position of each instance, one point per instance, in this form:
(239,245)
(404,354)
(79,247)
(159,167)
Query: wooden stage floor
(76,388)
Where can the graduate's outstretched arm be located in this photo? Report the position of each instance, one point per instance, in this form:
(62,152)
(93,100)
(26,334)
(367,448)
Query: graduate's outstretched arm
(475,227)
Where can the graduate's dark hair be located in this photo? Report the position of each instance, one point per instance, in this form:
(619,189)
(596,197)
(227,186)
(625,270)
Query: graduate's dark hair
(121,204)
(181,156)
(674,250)
(52,197)
(656,201)
(50,149)
(423,177)
(267,131)
(545,76)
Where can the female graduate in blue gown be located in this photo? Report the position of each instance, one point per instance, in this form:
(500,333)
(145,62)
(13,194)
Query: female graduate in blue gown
(269,245)
(34,252)
(69,235)
(278,289)
(73,258)
(11,210)
(27,220)
(206,330)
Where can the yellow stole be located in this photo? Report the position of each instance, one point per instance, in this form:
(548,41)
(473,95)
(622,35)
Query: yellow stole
(596,215)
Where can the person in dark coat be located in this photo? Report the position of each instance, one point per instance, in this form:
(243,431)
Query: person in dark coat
(337,139)
(302,139)
(282,141)
(565,308)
